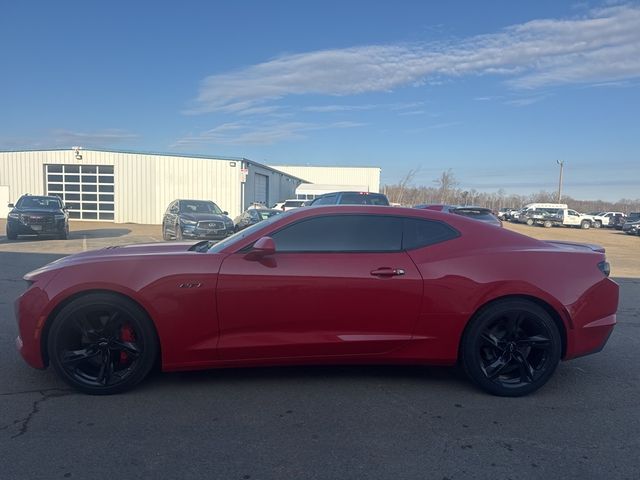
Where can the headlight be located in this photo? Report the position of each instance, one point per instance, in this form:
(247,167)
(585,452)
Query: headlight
(14,215)
(184,221)
(59,217)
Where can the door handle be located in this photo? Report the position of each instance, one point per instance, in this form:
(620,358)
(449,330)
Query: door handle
(387,272)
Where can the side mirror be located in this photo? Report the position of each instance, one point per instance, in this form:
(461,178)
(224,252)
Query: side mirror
(263,247)
(225,213)
(11,205)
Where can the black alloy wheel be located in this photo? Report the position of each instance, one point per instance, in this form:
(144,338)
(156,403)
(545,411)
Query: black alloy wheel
(178,232)
(511,348)
(165,235)
(102,344)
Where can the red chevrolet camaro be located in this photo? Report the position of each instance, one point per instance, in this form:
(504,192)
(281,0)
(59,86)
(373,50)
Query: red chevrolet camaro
(323,285)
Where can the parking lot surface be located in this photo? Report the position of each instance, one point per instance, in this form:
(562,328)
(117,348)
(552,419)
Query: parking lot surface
(321,422)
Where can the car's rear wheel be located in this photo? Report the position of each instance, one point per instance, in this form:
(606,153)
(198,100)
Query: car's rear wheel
(548,224)
(511,348)
(102,344)
(529,221)
(597,224)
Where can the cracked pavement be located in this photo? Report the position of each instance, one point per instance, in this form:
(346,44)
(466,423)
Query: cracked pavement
(316,423)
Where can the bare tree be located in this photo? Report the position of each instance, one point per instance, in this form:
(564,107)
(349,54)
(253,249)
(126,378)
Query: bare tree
(446,184)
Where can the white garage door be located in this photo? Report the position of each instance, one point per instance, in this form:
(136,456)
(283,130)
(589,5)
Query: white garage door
(87,190)
(261,189)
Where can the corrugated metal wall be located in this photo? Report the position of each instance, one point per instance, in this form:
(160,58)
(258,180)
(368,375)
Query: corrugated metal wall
(144,184)
(336,175)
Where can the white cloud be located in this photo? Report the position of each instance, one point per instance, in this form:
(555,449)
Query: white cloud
(104,137)
(245,133)
(602,45)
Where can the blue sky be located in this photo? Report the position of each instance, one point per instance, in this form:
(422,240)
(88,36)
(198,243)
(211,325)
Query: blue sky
(496,91)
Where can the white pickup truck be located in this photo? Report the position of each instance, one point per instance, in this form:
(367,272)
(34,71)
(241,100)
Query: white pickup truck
(603,219)
(570,218)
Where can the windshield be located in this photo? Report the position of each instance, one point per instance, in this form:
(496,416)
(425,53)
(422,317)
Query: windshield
(236,237)
(196,206)
(44,203)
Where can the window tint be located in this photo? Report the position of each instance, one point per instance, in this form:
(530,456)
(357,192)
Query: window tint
(342,233)
(363,199)
(419,233)
(328,200)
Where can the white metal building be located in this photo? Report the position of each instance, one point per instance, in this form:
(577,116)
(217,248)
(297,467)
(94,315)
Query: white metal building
(347,177)
(137,187)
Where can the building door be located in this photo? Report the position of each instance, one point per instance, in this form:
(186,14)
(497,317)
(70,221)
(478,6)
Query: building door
(261,189)
(87,190)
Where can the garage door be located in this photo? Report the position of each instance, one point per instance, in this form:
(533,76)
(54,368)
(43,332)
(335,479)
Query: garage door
(261,189)
(87,190)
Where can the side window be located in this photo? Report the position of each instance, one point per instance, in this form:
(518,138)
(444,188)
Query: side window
(328,200)
(420,233)
(573,212)
(342,233)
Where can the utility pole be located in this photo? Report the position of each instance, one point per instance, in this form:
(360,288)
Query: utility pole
(561,163)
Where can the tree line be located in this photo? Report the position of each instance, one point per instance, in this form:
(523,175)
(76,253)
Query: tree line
(446,190)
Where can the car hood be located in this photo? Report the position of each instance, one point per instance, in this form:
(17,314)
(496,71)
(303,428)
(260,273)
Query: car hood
(37,211)
(119,251)
(199,217)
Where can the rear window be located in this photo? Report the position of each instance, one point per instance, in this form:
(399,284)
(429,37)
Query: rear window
(363,199)
(477,213)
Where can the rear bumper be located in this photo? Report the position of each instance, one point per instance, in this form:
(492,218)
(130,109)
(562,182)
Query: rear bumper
(590,338)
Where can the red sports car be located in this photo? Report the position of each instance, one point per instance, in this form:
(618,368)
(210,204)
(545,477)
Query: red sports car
(323,285)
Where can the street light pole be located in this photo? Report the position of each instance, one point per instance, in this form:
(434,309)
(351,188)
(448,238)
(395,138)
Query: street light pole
(561,163)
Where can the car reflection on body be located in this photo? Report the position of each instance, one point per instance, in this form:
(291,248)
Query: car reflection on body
(328,285)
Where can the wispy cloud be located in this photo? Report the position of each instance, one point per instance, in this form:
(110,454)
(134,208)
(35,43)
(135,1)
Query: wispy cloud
(337,108)
(110,136)
(245,133)
(602,45)
(526,101)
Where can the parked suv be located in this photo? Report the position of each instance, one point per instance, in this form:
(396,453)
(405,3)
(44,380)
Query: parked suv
(350,198)
(195,219)
(37,215)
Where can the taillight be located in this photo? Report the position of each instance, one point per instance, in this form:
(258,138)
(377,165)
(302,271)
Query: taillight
(605,268)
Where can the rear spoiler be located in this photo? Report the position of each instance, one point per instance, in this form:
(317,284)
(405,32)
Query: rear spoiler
(577,245)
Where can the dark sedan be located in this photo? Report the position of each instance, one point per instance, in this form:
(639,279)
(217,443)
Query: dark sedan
(253,216)
(477,213)
(195,219)
(37,215)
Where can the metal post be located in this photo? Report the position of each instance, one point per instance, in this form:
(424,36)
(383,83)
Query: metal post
(561,163)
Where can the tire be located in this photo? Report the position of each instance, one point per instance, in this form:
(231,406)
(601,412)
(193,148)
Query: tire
(548,224)
(64,235)
(585,225)
(178,234)
(165,235)
(529,221)
(511,348)
(11,235)
(102,344)
(597,224)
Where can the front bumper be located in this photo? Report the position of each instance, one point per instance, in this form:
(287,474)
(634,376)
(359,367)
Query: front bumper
(54,227)
(29,308)
(189,231)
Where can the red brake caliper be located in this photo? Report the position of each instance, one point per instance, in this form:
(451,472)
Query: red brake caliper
(126,335)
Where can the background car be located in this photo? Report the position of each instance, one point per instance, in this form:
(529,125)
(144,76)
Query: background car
(252,216)
(477,213)
(350,198)
(341,285)
(38,215)
(631,221)
(289,204)
(195,219)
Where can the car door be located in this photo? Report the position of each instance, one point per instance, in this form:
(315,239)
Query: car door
(573,218)
(337,285)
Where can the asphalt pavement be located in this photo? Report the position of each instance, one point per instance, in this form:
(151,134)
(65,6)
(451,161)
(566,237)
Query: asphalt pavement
(313,422)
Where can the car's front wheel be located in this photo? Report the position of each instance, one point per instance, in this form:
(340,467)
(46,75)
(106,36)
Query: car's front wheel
(11,235)
(102,343)
(585,224)
(511,348)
